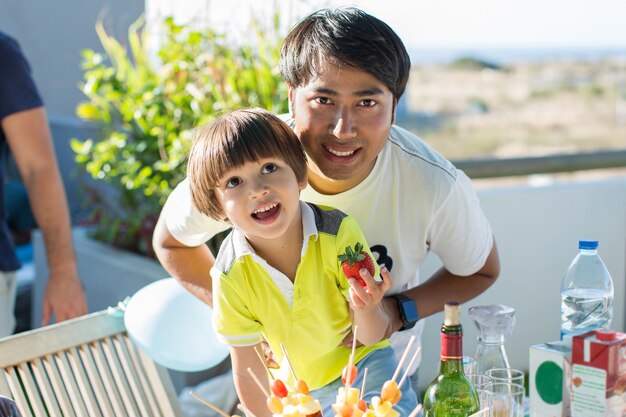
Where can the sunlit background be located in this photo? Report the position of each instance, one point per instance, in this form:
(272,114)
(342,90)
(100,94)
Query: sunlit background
(490,77)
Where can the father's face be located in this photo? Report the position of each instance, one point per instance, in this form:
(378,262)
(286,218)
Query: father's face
(343,117)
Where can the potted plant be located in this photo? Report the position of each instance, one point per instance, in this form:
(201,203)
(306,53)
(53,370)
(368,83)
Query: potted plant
(146,113)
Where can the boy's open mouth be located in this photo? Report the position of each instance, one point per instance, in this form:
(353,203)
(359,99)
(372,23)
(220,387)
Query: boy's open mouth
(266,212)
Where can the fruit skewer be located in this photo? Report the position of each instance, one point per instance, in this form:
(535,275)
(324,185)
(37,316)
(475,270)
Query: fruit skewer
(211,406)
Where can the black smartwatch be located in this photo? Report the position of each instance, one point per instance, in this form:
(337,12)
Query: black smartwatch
(408,311)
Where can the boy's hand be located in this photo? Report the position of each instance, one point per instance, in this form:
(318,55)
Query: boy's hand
(370,296)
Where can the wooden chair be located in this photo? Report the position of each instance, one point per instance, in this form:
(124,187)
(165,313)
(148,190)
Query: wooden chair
(85,367)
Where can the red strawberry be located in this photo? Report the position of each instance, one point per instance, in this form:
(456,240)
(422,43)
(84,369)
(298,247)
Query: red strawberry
(353,260)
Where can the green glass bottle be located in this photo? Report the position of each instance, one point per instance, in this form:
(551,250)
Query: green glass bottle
(451,394)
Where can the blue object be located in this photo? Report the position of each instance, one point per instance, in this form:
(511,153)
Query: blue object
(588,244)
(586,292)
(24,253)
(173,327)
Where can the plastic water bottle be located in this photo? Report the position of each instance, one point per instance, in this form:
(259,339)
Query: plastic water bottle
(586,292)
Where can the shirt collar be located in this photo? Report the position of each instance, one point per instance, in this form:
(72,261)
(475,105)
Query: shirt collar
(309,228)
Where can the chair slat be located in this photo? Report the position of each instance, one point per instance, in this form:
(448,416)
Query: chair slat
(18,394)
(96,381)
(58,386)
(84,385)
(164,390)
(4,385)
(78,406)
(29,385)
(131,374)
(47,393)
(119,377)
(145,383)
(107,379)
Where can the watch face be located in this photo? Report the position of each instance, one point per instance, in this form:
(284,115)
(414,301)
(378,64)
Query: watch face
(410,311)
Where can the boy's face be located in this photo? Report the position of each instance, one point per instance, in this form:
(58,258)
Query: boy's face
(261,198)
(343,117)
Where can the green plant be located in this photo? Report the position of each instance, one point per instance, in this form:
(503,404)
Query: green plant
(145,114)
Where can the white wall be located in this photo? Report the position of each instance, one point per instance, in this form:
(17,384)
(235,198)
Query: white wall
(537,230)
(53,34)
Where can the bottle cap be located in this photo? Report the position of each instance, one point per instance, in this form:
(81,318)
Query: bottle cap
(588,244)
(452,313)
(606,335)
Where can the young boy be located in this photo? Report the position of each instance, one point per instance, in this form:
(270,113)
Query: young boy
(277,275)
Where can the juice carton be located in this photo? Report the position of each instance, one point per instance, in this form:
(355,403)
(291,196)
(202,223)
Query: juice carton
(599,374)
(549,379)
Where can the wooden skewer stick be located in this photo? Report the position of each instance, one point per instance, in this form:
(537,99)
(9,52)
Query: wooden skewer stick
(403,358)
(346,387)
(356,328)
(417,409)
(480,412)
(363,384)
(245,410)
(408,368)
(350,363)
(208,404)
(261,386)
(262,359)
(293,374)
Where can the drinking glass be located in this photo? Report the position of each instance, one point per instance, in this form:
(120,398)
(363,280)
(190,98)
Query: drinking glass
(513,376)
(469,365)
(504,399)
(479,381)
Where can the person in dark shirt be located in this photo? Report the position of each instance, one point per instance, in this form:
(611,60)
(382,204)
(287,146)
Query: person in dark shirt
(8,408)
(25,133)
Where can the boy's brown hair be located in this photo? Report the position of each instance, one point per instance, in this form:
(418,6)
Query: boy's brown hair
(241,136)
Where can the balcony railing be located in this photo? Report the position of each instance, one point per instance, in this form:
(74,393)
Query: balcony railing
(489,167)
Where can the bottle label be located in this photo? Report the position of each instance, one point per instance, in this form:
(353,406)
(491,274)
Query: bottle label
(451,347)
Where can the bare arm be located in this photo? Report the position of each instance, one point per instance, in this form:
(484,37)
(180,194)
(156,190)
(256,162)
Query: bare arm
(444,286)
(30,142)
(190,265)
(249,393)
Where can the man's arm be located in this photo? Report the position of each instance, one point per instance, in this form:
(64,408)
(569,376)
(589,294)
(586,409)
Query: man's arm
(190,265)
(443,286)
(30,141)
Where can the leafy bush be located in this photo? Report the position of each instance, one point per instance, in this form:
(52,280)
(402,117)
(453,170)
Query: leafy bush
(145,114)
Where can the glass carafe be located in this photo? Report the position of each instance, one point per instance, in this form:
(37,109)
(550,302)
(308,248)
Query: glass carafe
(494,323)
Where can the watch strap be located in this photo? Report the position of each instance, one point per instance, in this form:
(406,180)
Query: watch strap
(408,314)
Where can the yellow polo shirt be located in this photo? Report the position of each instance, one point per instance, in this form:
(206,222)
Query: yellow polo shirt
(254,301)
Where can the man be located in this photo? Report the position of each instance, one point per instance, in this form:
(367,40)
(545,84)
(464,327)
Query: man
(24,130)
(346,71)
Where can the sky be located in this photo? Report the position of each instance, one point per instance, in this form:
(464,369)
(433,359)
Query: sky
(446,23)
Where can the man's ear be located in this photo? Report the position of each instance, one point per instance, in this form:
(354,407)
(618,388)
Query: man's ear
(394,110)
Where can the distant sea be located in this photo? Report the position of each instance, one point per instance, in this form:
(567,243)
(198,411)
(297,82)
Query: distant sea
(513,55)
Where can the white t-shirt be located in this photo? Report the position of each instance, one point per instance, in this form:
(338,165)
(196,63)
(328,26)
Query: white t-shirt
(414,201)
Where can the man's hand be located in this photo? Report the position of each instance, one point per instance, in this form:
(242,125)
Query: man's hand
(63,297)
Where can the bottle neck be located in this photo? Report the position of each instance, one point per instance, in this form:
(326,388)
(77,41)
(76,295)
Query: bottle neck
(451,349)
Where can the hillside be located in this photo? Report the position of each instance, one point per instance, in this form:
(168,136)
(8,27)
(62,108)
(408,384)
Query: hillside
(468,109)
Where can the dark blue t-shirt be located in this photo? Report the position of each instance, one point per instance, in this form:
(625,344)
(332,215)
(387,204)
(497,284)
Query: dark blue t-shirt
(17,93)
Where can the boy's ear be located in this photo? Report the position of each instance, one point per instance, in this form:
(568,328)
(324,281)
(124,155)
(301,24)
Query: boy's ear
(302,185)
